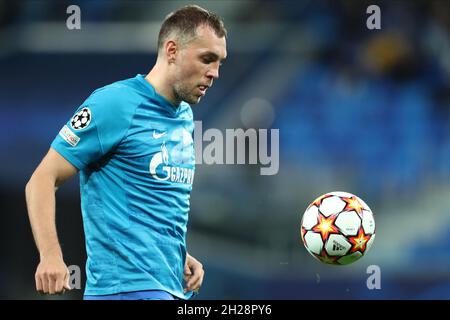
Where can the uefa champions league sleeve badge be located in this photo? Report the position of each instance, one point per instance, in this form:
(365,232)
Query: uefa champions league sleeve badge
(82,119)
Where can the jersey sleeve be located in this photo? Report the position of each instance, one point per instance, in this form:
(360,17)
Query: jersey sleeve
(95,129)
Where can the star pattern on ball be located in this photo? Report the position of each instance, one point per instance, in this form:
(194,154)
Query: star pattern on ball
(352,203)
(345,224)
(319,200)
(303,232)
(325,226)
(359,242)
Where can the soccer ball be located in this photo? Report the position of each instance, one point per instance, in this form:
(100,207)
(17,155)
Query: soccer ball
(81,120)
(338,228)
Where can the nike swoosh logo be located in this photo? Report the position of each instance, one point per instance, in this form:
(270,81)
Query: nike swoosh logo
(158,135)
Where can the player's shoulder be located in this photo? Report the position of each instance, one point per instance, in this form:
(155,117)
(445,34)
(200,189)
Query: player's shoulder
(117,91)
(119,98)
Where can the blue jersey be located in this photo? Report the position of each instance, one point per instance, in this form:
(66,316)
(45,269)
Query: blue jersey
(135,153)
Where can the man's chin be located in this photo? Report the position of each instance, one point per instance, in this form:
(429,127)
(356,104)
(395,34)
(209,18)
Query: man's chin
(193,100)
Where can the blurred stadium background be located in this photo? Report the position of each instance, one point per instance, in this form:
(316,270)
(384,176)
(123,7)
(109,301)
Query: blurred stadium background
(363,111)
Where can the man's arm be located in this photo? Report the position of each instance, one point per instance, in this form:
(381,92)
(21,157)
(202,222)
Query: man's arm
(52,275)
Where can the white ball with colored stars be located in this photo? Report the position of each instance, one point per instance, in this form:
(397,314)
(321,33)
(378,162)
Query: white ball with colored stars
(338,228)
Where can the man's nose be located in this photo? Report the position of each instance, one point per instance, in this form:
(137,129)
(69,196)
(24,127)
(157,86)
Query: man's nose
(213,73)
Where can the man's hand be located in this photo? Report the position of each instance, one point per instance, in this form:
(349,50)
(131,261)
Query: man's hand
(193,274)
(52,275)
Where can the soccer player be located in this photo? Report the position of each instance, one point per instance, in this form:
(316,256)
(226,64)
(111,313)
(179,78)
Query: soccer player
(131,142)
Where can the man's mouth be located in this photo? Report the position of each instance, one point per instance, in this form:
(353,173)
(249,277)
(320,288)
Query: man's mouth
(203,89)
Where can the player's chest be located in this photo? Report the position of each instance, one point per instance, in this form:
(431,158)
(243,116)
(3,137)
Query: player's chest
(169,138)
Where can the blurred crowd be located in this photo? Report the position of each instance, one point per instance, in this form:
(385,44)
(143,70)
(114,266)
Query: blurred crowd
(377,102)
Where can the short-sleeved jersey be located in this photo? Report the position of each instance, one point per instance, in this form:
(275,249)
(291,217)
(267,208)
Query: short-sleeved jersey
(135,153)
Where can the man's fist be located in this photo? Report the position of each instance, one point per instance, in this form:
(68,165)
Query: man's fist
(52,275)
(193,274)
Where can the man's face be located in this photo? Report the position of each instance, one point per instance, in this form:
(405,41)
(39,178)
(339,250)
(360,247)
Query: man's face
(197,65)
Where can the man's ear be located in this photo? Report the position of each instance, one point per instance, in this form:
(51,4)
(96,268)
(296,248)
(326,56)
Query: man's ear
(171,49)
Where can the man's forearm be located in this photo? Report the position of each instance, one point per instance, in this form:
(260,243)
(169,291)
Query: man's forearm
(40,197)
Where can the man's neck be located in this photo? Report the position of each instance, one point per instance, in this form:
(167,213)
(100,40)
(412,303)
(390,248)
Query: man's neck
(157,79)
